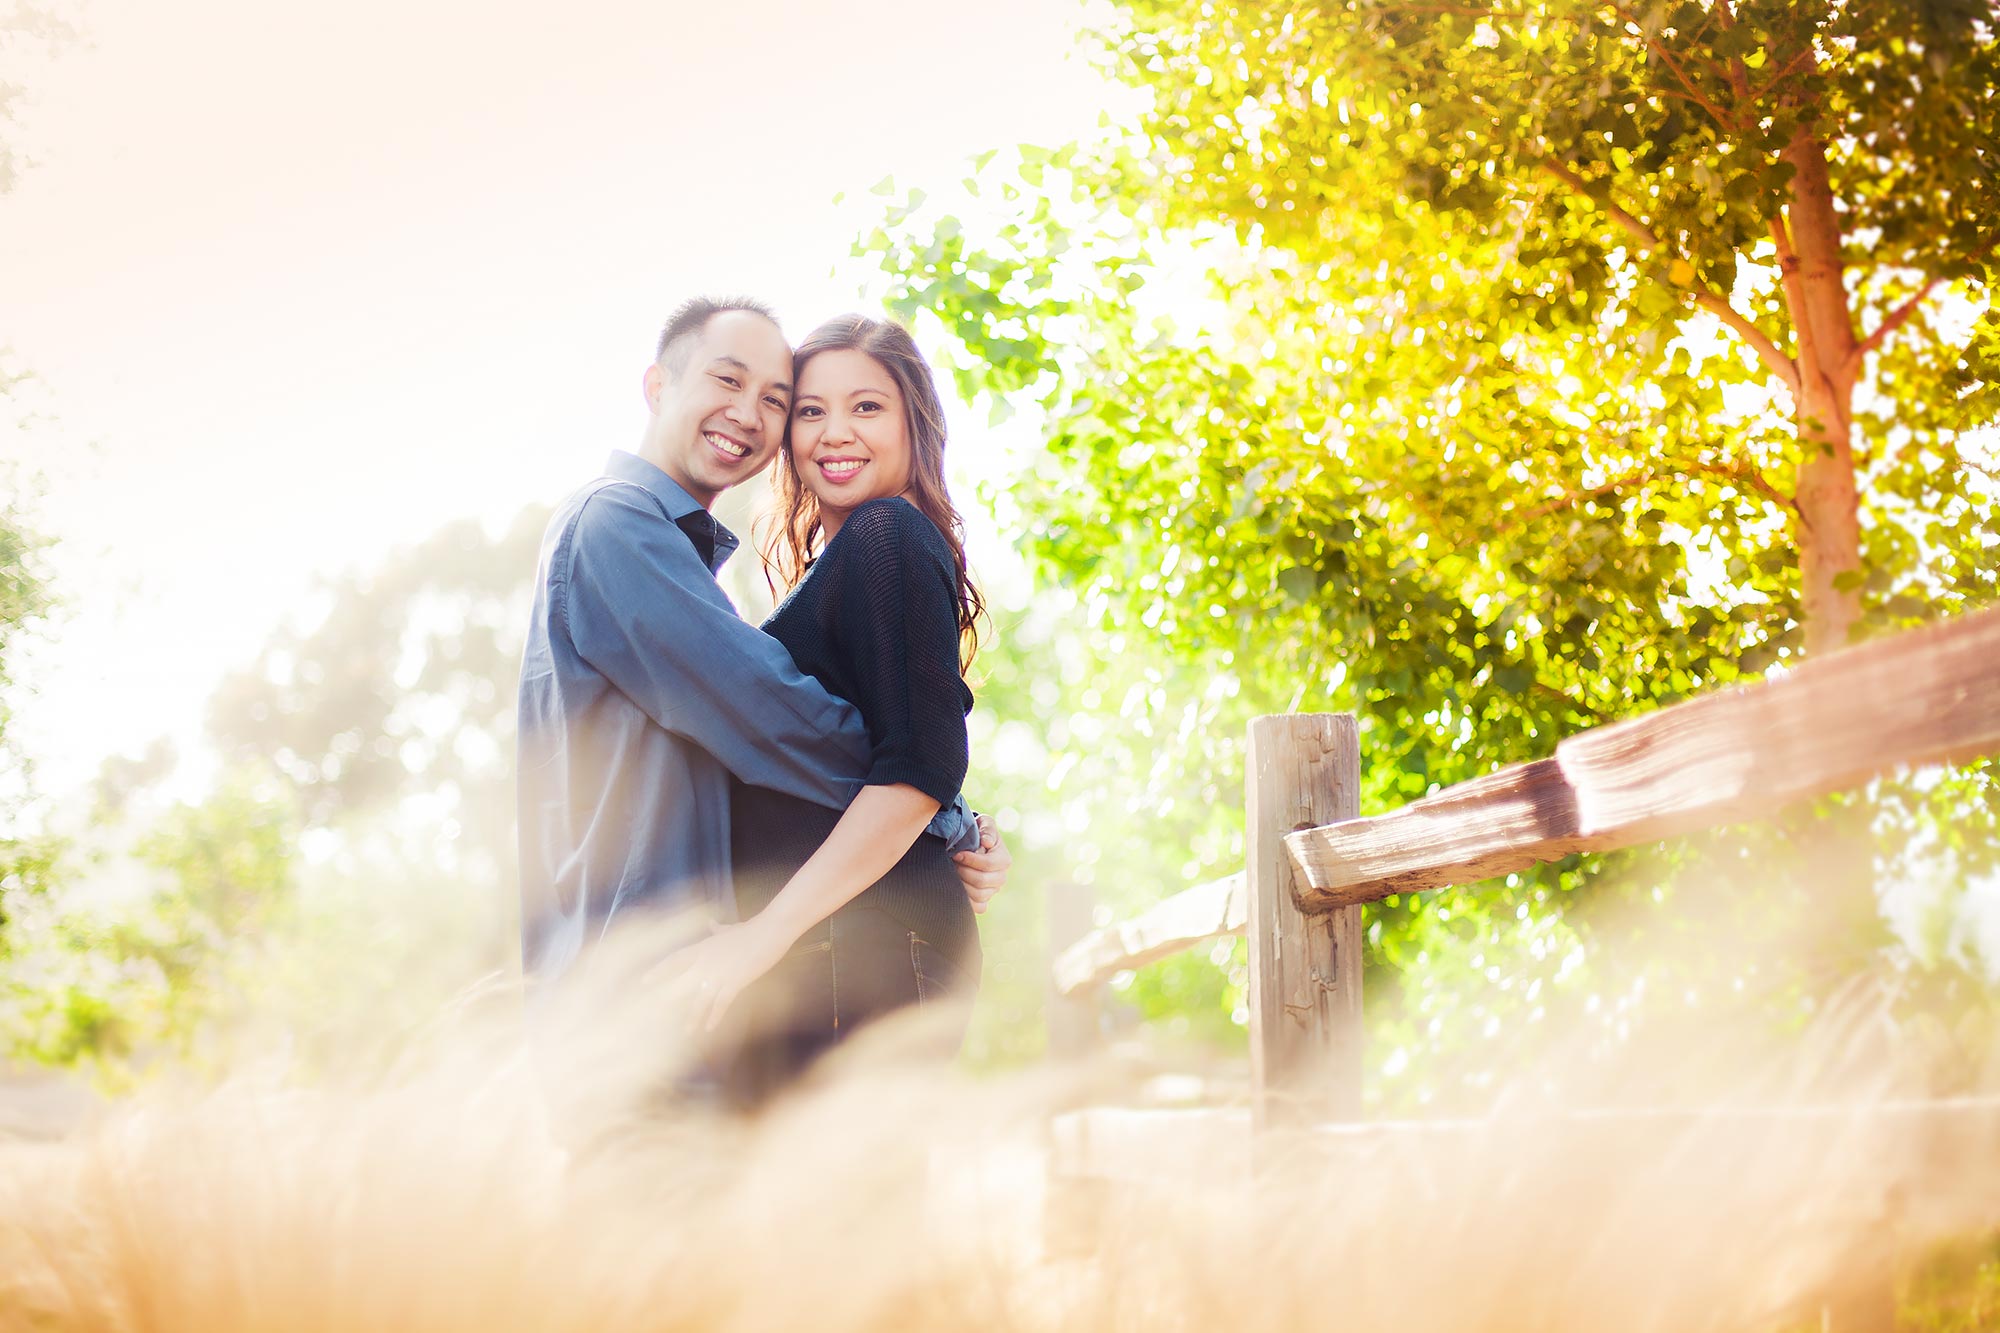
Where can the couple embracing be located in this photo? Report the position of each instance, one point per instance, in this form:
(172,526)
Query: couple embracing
(799,782)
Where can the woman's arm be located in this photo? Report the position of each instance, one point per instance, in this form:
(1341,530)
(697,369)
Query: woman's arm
(896,627)
(869,839)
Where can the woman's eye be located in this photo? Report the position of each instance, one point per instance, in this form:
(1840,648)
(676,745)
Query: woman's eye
(866,406)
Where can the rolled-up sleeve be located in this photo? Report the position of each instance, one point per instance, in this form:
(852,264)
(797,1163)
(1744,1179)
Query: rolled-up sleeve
(900,620)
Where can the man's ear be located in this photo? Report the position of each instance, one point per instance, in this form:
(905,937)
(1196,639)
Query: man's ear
(653,382)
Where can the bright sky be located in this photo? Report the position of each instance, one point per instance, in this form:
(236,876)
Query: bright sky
(302,284)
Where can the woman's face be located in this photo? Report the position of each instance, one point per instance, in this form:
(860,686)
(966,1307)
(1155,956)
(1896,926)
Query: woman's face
(850,433)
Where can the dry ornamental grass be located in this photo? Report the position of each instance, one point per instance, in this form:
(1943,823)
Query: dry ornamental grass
(507,1174)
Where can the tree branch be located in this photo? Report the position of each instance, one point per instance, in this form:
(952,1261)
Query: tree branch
(1769,352)
(1638,230)
(1791,67)
(1896,318)
(1795,292)
(1739,471)
(1666,57)
(1781,238)
(1701,28)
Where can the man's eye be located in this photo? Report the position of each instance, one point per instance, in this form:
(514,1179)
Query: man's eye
(778,403)
(727,380)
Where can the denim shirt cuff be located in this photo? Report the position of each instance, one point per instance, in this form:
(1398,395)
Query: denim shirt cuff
(957,825)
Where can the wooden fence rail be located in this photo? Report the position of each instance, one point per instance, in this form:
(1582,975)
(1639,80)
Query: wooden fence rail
(1204,912)
(1921,697)
(1926,696)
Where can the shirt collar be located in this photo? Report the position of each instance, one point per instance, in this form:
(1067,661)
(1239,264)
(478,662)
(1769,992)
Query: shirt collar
(679,504)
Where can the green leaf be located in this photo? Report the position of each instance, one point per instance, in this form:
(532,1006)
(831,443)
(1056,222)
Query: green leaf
(1298,583)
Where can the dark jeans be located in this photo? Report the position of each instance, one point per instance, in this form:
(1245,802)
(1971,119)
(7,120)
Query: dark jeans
(868,966)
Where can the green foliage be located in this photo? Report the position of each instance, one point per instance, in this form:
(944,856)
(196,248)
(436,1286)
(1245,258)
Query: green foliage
(230,858)
(1428,363)
(30,32)
(1073,742)
(29,868)
(114,978)
(24,592)
(25,597)
(346,875)
(1955,1288)
(27,863)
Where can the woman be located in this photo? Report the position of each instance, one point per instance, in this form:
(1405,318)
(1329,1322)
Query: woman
(847,917)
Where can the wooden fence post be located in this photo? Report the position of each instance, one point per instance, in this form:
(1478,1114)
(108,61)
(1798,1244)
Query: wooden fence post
(1302,770)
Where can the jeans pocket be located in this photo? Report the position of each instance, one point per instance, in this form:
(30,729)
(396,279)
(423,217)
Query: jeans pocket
(937,976)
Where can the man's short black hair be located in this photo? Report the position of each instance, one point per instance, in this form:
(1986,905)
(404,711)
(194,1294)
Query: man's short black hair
(690,318)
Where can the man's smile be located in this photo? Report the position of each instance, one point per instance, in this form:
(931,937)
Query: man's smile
(726,445)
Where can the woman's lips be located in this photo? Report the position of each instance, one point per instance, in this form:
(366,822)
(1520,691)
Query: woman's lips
(840,471)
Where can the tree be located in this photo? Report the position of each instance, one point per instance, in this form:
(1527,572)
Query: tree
(402,690)
(345,875)
(1499,370)
(28,864)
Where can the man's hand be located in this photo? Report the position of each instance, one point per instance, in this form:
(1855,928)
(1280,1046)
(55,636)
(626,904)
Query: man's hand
(984,872)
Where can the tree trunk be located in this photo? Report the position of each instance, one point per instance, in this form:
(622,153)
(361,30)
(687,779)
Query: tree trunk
(1828,514)
(1837,884)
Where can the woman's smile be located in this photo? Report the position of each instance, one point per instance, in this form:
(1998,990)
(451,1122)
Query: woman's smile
(850,433)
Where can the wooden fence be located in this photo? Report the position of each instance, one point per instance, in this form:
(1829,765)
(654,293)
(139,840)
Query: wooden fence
(1926,696)
(1311,862)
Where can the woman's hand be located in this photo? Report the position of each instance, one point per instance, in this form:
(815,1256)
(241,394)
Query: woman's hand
(984,872)
(879,826)
(709,976)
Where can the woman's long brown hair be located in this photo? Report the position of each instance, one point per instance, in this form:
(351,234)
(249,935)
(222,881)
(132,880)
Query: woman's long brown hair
(794,537)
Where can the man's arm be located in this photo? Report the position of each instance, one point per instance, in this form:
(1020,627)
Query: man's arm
(641,609)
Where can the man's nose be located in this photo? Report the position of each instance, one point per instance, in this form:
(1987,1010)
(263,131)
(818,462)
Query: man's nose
(742,411)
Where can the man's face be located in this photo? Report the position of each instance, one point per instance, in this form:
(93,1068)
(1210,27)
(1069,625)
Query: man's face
(722,418)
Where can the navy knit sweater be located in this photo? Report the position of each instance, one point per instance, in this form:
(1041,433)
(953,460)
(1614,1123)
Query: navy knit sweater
(875,621)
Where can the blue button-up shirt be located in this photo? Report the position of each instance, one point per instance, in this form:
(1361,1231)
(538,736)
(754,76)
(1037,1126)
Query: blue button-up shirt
(641,692)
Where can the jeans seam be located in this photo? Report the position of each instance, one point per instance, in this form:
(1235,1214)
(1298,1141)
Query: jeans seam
(833,979)
(917,966)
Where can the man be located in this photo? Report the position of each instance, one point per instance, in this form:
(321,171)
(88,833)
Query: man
(642,691)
